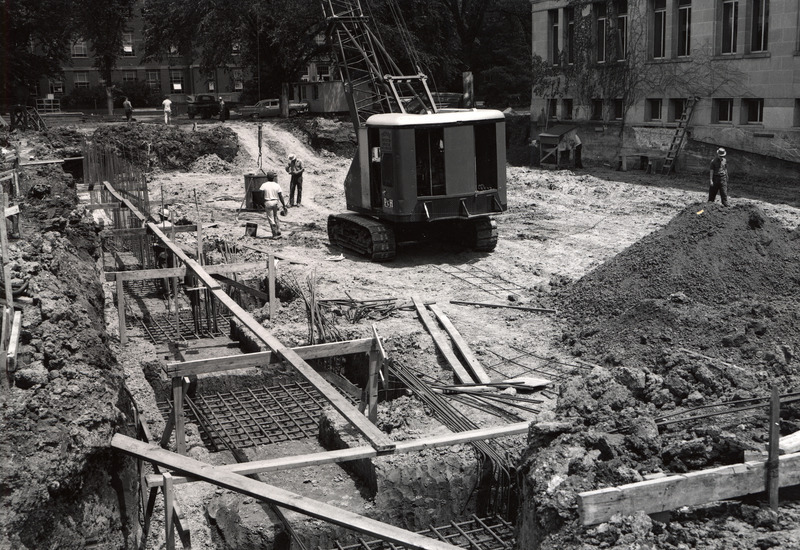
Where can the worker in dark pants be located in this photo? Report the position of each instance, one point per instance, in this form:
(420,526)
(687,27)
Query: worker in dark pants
(718,175)
(295,169)
(223,113)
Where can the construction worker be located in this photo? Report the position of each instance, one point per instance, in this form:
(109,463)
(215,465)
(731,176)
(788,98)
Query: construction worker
(128,109)
(272,195)
(167,103)
(295,169)
(222,113)
(718,176)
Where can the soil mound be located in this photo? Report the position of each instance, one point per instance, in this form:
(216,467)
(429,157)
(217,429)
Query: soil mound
(720,279)
(167,147)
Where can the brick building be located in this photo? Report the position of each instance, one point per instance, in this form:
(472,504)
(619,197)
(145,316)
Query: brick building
(756,43)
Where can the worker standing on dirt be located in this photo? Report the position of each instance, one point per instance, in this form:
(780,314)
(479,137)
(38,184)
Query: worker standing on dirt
(222,113)
(128,109)
(167,103)
(718,174)
(295,169)
(577,148)
(272,195)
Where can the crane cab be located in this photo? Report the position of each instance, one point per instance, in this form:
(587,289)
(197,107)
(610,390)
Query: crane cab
(449,165)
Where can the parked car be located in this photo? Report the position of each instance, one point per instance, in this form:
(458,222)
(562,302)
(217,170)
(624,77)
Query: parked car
(271,107)
(202,105)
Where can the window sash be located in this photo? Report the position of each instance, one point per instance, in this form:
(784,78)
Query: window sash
(760,26)
(684,30)
(659,33)
(725,110)
(730,26)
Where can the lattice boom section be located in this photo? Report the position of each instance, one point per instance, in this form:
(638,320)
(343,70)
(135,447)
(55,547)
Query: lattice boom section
(493,533)
(254,416)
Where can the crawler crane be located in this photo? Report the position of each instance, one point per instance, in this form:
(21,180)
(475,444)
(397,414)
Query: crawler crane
(421,171)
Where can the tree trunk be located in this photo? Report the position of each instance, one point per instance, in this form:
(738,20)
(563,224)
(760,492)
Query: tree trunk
(285,100)
(110,100)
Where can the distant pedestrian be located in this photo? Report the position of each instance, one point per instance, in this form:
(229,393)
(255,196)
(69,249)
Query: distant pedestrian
(222,113)
(295,169)
(167,103)
(718,175)
(128,109)
(272,195)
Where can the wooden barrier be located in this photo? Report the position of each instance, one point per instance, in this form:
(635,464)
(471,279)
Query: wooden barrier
(275,495)
(692,489)
(357,453)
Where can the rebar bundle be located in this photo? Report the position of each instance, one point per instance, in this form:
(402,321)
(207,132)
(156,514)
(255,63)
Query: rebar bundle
(321,327)
(497,476)
(356,310)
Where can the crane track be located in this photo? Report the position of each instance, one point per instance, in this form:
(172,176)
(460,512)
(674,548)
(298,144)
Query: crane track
(367,236)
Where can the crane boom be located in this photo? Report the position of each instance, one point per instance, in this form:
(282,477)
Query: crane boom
(375,83)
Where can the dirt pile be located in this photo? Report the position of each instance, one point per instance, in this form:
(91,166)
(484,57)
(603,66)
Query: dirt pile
(167,147)
(58,470)
(700,311)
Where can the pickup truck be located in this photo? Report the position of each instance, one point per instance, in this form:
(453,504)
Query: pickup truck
(202,105)
(271,107)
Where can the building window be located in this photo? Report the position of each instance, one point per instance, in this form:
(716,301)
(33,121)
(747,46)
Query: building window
(617,109)
(79,48)
(760,30)
(566,109)
(153,81)
(210,85)
(56,86)
(597,109)
(659,29)
(552,108)
(601,32)
(315,92)
(323,72)
(622,29)
(723,110)
(569,38)
(127,45)
(684,27)
(176,81)
(238,80)
(676,108)
(552,18)
(81,79)
(654,109)
(753,110)
(129,76)
(730,25)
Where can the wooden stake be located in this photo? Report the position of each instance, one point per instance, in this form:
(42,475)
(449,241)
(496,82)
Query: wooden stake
(123,335)
(169,496)
(177,406)
(773,480)
(271,284)
(6,258)
(372,386)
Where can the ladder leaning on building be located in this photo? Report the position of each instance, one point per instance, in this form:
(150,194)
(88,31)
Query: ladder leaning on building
(680,134)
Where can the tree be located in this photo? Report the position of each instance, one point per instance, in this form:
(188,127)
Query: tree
(277,37)
(102,23)
(36,38)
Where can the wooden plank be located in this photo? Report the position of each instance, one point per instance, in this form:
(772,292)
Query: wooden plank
(169,511)
(4,252)
(13,342)
(774,436)
(105,206)
(692,489)
(441,343)
(145,274)
(244,288)
(140,231)
(231,362)
(507,306)
(271,298)
(177,413)
(357,453)
(12,211)
(472,363)
(277,496)
(123,334)
(790,443)
(40,162)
